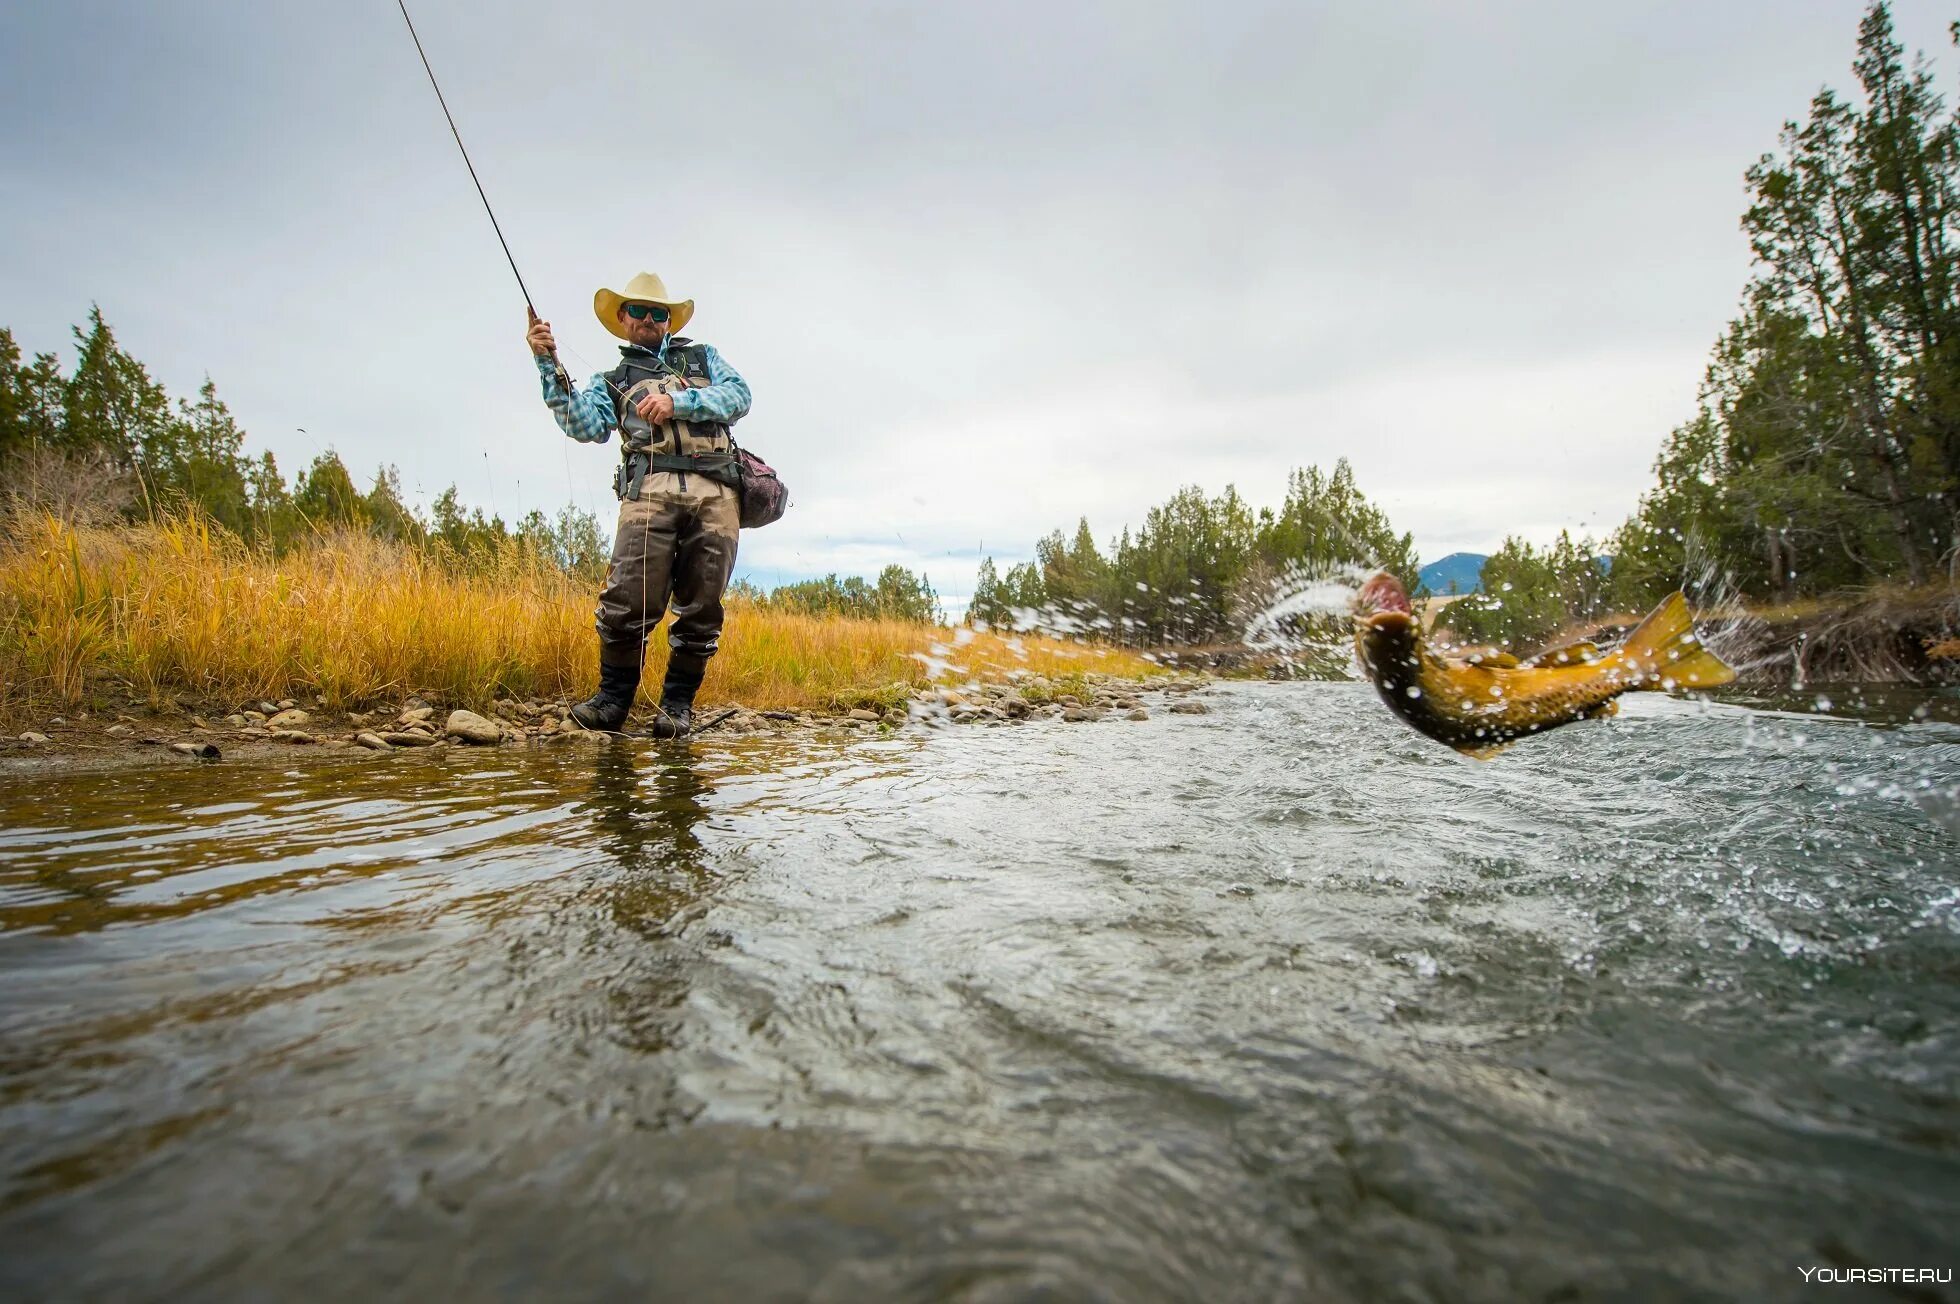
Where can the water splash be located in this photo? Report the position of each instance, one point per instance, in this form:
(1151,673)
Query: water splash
(1301,597)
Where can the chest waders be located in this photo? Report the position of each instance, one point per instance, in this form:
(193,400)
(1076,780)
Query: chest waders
(679,522)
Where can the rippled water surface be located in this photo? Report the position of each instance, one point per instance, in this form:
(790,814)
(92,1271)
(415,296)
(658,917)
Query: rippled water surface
(1279,1001)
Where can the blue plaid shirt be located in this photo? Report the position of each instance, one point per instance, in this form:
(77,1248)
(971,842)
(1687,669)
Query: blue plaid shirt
(590,417)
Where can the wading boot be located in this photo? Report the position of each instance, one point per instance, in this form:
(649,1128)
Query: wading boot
(606,710)
(684,672)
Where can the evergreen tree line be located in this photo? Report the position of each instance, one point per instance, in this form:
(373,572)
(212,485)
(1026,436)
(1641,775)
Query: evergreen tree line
(1526,594)
(1198,569)
(897,594)
(1825,451)
(105,439)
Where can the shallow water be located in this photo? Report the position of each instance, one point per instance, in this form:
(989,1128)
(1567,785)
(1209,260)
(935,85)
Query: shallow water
(1280,1001)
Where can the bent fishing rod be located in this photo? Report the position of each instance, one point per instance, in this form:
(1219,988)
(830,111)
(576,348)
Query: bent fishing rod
(564,377)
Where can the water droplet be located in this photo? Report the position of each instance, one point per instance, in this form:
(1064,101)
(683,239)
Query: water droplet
(1413,691)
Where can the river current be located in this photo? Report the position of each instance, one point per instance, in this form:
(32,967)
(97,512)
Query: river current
(1281,1001)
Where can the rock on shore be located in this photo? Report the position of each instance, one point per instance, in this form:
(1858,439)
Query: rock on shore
(472,728)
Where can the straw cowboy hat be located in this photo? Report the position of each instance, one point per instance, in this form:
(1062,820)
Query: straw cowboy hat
(644,288)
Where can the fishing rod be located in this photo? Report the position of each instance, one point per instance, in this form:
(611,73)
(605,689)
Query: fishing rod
(564,377)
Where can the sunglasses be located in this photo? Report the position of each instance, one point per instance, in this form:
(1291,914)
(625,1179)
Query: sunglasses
(643,311)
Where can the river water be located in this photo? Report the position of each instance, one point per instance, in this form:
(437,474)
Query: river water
(1282,1001)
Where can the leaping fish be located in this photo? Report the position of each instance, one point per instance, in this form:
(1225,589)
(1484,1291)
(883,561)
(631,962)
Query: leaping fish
(1481,708)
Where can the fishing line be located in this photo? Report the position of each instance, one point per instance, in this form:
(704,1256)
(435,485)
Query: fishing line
(494,224)
(562,376)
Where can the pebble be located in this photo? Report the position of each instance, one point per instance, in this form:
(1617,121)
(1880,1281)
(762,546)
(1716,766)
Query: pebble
(417,714)
(203,751)
(287,704)
(406,739)
(117,731)
(36,739)
(235,721)
(290,736)
(267,709)
(472,728)
(1189,708)
(289,718)
(1139,714)
(374,741)
(861,714)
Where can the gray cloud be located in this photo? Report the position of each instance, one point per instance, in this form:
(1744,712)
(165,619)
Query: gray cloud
(988,268)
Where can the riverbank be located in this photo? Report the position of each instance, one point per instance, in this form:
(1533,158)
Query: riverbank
(132,641)
(180,624)
(1881,636)
(134,732)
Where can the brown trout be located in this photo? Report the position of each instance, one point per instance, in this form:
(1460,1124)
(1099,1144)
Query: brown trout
(1480,707)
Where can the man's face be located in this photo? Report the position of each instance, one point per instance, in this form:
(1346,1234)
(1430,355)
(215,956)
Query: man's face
(644,330)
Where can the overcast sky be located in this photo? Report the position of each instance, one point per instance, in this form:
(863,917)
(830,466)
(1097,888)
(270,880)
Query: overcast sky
(987,267)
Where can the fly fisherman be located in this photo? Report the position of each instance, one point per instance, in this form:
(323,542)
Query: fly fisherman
(672,401)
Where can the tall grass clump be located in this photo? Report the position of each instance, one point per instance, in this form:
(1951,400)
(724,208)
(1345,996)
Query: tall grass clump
(182,607)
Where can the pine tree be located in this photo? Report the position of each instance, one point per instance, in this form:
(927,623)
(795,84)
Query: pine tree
(325,496)
(987,609)
(30,399)
(110,404)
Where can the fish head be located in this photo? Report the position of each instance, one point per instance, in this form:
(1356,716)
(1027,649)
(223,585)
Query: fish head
(1382,596)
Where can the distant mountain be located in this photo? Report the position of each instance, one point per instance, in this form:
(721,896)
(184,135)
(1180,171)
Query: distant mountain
(1461,569)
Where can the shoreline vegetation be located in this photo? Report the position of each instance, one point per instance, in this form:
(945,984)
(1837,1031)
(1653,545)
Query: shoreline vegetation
(183,619)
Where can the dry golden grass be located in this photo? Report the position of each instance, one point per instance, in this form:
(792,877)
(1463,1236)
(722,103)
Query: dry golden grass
(181,607)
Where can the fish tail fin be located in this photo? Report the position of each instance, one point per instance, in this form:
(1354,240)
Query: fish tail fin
(1664,652)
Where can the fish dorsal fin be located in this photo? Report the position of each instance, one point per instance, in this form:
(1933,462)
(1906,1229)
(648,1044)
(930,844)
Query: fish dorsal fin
(1582,653)
(1492,660)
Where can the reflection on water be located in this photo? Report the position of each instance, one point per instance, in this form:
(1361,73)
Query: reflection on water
(1281,1001)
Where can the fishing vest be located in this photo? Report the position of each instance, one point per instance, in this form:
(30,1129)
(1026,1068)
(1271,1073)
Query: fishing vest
(701,447)
(639,373)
